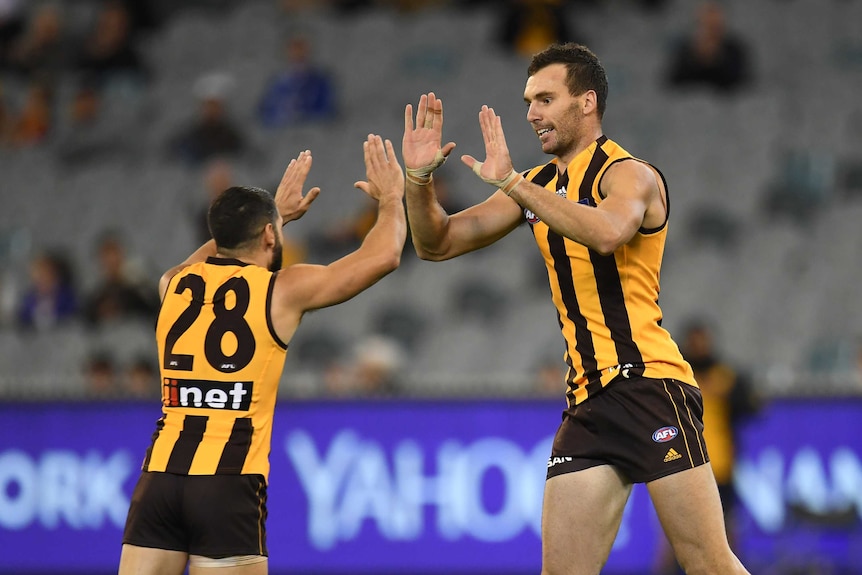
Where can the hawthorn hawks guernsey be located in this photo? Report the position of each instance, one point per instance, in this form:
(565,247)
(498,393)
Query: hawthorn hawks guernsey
(607,306)
(221,363)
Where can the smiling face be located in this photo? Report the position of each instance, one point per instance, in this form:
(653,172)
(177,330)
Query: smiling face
(562,122)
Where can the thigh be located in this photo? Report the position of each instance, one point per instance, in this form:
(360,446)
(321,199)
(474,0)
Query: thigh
(689,509)
(136,560)
(581,515)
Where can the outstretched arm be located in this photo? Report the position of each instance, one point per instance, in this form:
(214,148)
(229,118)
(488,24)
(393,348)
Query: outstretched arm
(436,234)
(304,287)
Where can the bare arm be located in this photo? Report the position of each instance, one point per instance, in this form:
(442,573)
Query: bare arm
(631,195)
(304,287)
(436,234)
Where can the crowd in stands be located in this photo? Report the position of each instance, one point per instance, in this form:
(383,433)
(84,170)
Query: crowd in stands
(79,86)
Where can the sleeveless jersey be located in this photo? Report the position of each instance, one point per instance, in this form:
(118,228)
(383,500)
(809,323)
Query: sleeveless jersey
(607,305)
(221,363)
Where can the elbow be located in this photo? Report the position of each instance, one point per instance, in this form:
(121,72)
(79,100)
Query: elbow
(391,263)
(429,255)
(608,245)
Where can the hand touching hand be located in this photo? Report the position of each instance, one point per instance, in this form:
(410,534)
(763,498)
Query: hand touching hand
(421,146)
(289,200)
(497,168)
(385,177)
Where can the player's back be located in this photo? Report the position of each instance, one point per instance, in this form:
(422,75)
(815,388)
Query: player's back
(221,363)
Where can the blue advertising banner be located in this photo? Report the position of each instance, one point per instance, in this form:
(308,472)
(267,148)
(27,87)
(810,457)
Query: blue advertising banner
(424,487)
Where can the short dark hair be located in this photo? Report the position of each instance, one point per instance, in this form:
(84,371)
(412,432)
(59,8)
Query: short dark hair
(239,214)
(584,71)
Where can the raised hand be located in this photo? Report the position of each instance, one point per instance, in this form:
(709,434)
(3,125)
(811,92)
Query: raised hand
(289,200)
(385,178)
(497,168)
(421,146)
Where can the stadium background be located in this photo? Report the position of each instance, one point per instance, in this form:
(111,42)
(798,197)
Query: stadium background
(764,243)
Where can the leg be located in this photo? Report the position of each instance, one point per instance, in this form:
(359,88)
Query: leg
(136,560)
(588,504)
(689,509)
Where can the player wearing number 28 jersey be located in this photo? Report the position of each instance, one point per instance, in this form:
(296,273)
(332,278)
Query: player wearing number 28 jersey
(227,315)
(222,362)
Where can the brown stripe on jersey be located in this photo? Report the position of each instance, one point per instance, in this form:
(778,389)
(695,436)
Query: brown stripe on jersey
(608,284)
(613,303)
(187,443)
(543,178)
(160,424)
(565,279)
(234,454)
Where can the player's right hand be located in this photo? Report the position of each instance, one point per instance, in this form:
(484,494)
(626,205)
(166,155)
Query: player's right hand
(421,146)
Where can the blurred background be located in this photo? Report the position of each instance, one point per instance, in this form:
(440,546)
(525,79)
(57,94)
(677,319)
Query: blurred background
(120,120)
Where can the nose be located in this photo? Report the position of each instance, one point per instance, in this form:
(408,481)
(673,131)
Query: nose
(532,113)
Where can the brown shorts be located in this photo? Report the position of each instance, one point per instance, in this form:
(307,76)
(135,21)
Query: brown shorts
(646,428)
(211,515)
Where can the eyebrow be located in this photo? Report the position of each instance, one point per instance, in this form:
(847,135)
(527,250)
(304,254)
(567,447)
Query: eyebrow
(539,95)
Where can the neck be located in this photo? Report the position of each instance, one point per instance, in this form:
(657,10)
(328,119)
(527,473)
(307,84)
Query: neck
(256,259)
(584,142)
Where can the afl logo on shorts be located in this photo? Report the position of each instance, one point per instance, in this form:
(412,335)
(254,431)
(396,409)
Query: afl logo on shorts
(531,217)
(665,434)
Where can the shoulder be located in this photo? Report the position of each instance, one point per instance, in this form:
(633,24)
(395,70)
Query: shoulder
(630,173)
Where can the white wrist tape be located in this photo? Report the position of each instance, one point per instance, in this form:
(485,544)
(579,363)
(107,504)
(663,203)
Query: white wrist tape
(506,184)
(422,175)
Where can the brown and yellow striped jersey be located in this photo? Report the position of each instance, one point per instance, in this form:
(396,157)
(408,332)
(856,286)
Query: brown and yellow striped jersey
(221,362)
(607,305)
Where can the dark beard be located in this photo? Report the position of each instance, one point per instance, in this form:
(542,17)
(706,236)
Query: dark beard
(276,262)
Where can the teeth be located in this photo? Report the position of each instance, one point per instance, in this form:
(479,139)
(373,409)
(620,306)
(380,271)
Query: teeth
(543,131)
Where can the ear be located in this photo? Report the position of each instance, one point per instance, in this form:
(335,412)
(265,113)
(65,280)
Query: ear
(590,104)
(268,236)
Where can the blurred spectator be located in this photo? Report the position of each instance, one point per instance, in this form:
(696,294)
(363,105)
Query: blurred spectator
(33,122)
(344,235)
(89,133)
(530,26)
(710,56)
(109,54)
(301,92)
(41,53)
(12,23)
(374,370)
(50,297)
(100,374)
(213,133)
(142,378)
(122,291)
(217,177)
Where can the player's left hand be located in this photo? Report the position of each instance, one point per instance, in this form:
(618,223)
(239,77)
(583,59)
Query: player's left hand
(289,200)
(497,168)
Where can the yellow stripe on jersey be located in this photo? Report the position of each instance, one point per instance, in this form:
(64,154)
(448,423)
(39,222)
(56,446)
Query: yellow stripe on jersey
(221,363)
(607,306)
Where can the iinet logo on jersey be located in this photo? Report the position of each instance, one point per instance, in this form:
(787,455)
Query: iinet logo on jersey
(234,395)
